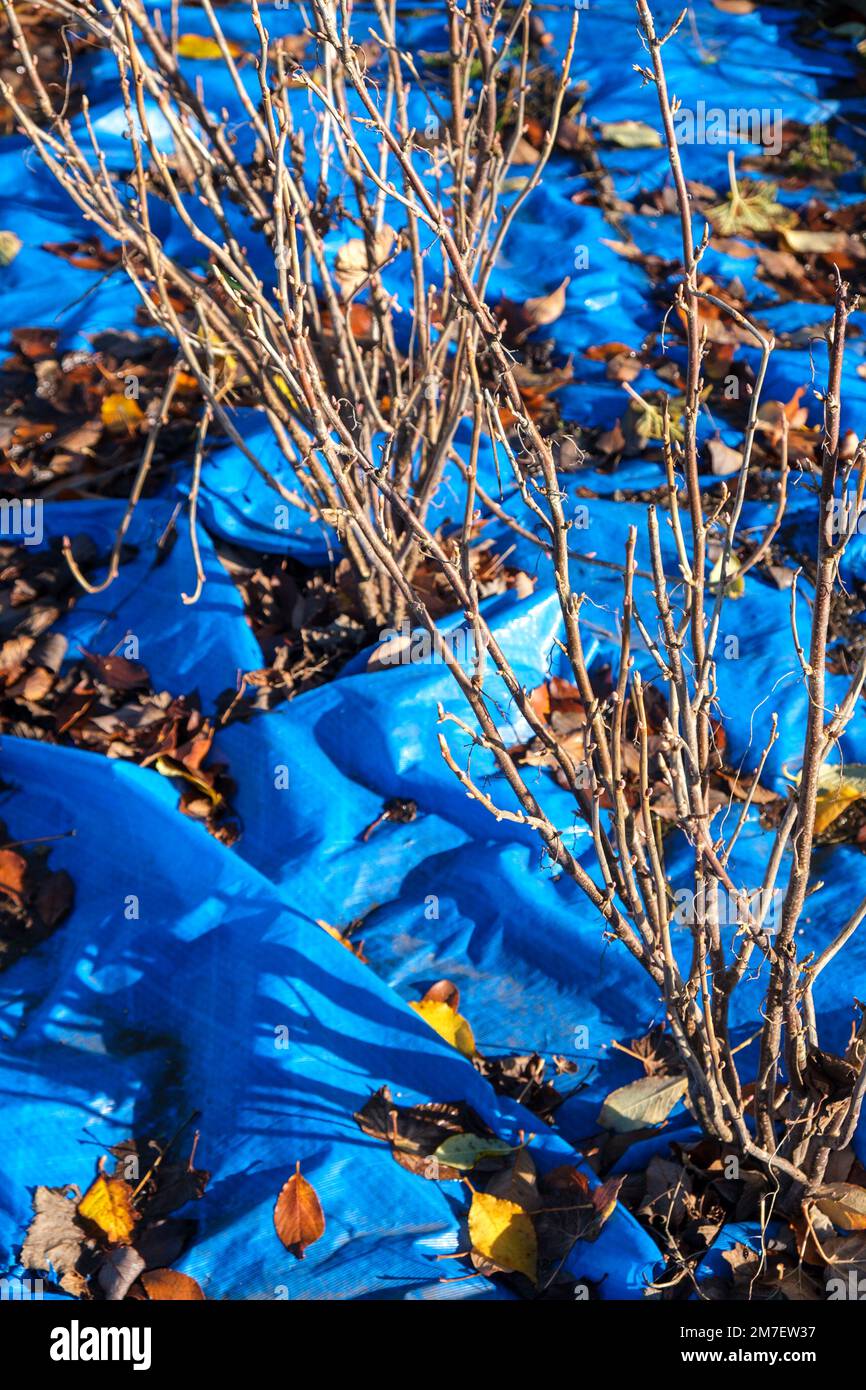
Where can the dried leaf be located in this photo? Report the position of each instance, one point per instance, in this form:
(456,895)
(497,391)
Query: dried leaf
(54,1240)
(723,459)
(298,1215)
(120,414)
(13,872)
(107,1203)
(415,1132)
(844,1203)
(119,1271)
(547,308)
(501,1231)
(751,209)
(631,135)
(463,1151)
(169,1286)
(446,992)
(200,48)
(451,1026)
(821,243)
(118,672)
(352,267)
(839,786)
(648,1101)
(10,245)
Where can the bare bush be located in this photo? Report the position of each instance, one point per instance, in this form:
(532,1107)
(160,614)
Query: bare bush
(366,414)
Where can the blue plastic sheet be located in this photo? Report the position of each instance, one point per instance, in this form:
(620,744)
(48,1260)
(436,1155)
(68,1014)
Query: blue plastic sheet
(119,1025)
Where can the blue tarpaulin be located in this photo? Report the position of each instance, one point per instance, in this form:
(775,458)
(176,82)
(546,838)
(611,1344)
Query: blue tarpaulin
(121,1025)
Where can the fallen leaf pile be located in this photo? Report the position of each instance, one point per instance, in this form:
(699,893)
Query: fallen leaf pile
(520,1224)
(104,703)
(688,1197)
(304,621)
(72,421)
(48,35)
(560,706)
(120,1238)
(34,899)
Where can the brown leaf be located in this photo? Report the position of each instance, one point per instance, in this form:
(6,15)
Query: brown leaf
(298,1215)
(444,992)
(88,254)
(117,672)
(54,1240)
(415,1132)
(168,1285)
(54,897)
(34,343)
(523,319)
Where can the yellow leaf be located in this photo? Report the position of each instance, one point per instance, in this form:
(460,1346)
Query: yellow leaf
(449,1025)
(503,1232)
(283,388)
(838,788)
(170,767)
(10,245)
(108,1204)
(844,1203)
(200,48)
(119,413)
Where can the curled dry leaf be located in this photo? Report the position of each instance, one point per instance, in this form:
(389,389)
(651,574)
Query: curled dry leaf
(118,672)
(10,245)
(839,786)
(55,1242)
(631,135)
(539,312)
(298,1215)
(13,869)
(415,1132)
(723,459)
(353,268)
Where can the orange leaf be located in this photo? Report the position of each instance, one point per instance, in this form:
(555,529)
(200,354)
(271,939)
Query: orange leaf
(13,869)
(603,352)
(298,1215)
(120,413)
(167,1285)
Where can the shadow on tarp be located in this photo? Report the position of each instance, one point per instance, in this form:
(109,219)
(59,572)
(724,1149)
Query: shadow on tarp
(123,1024)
